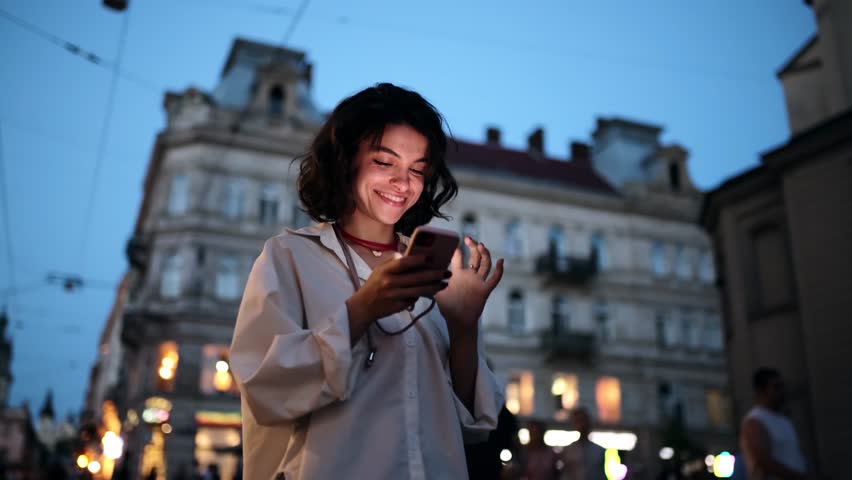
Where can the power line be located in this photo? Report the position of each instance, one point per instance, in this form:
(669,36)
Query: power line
(294,22)
(113,84)
(248,7)
(4,204)
(81,52)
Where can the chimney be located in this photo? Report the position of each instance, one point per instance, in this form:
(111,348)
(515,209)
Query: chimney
(535,142)
(492,136)
(580,155)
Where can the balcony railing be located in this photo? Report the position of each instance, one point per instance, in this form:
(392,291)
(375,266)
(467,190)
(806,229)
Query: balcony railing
(567,269)
(576,345)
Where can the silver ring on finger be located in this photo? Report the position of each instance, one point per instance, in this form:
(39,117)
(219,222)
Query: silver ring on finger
(472,266)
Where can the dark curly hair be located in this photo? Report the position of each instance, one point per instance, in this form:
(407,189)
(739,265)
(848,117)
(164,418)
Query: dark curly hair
(327,171)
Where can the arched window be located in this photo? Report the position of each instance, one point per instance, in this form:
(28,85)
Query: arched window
(275,106)
(658,259)
(227,278)
(557,247)
(706,269)
(602,320)
(268,207)
(514,239)
(517,320)
(560,315)
(178,195)
(232,207)
(600,250)
(170,279)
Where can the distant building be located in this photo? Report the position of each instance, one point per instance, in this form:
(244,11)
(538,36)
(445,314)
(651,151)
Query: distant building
(219,183)
(783,237)
(608,300)
(19,450)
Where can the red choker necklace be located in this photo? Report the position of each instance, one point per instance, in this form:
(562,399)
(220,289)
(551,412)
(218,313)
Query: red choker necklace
(375,248)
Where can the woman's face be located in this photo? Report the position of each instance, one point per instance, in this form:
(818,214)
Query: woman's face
(389,175)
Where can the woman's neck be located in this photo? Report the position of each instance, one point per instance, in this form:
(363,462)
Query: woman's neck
(369,230)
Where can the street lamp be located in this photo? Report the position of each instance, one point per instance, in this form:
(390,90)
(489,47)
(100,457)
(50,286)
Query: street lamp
(117,5)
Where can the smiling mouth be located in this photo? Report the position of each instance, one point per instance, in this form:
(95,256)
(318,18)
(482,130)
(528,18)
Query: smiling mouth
(394,200)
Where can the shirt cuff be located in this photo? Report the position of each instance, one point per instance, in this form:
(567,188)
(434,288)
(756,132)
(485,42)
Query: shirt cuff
(487,401)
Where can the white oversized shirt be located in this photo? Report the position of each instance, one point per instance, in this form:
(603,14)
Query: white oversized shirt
(310,408)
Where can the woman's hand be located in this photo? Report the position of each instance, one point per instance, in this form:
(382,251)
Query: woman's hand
(464,299)
(391,288)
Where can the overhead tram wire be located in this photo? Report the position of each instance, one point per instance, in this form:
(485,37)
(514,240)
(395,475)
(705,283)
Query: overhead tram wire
(78,51)
(104,136)
(294,22)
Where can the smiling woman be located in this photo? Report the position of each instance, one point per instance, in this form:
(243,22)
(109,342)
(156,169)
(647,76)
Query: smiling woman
(316,401)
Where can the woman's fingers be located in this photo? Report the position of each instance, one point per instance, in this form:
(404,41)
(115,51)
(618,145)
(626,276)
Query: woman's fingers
(475,255)
(495,277)
(484,262)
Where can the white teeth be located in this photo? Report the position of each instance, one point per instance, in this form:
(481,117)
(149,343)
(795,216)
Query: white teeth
(392,198)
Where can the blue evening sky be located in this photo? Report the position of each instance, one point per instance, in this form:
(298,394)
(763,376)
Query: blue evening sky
(705,70)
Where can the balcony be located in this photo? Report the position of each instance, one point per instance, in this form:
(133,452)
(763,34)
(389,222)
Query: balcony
(567,269)
(573,345)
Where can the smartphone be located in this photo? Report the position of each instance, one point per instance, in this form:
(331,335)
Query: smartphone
(436,244)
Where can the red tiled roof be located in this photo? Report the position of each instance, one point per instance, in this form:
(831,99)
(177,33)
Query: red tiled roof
(497,159)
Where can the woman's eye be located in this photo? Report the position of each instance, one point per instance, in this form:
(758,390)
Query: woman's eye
(416,172)
(383,164)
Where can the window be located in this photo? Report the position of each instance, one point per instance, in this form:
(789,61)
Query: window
(658,259)
(557,247)
(167,367)
(670,400)
(599,250)
(706,270)
(566,396)
(666,334)
(689,334)
(608,399)
(514,240)
(275,107)
(517,322)
(268,209)
(178,195)
(227,279)
(232,208)
(674,177)
(683,269)
(170,280)
(712,332)
(718,408)
(560,315)
(602,322)
(216,371)
(520,393)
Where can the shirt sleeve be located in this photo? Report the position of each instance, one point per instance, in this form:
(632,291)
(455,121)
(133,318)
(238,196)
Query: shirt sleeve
(283,370)
(487,402)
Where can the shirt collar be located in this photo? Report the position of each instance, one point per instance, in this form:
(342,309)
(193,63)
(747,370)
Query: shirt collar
(325,232)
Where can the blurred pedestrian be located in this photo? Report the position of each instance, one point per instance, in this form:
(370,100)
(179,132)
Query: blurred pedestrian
(768,439)
(333,382)
(483,459)
(583,459)
(539,459)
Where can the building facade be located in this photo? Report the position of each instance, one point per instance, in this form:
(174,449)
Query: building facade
(782,235)
(608,299)
(218,185)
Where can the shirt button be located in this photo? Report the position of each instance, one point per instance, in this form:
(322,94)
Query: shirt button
(411,394)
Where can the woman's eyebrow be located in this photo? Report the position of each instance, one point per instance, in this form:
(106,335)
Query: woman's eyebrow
(382,148)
